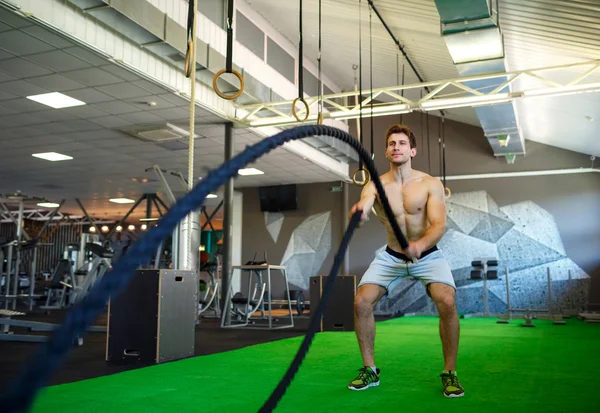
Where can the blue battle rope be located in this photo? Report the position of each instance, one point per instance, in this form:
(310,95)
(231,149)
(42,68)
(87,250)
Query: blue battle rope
(279,391)
(51,354)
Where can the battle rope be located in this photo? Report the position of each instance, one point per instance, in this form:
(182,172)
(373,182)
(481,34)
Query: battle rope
(50,354)
(279,391)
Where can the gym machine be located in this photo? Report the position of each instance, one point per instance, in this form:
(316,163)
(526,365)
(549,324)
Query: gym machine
(530,313)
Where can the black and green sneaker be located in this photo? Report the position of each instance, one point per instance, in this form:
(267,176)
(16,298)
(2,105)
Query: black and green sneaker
(365,379)
(452,387)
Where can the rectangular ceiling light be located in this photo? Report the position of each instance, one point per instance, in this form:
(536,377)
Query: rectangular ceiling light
(211,196)
(48,204)
(56,100)
(52,156)
(122,200)
(250,171)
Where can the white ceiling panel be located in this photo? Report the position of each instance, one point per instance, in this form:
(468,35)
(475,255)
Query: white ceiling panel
(4,27)
(38,60)
(22,44)
(58,61)
(86,112)
(6,96)
(56,83)
(93,77)
(47,36)
(22,88)
(5,55)
(141,117)
(90,95)
(117,107)
(111,122)
(123,90)
(22,68)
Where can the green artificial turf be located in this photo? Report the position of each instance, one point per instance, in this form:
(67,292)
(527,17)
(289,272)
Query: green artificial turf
(503,368)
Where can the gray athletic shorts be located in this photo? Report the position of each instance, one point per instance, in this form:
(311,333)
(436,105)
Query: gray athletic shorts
(388,269)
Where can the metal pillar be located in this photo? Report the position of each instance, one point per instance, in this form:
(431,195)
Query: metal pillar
(227,217)
(8,276)
(345,210)
(188,248)
(18,260)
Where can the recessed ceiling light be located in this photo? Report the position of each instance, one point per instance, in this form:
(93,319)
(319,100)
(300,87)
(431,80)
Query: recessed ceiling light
(48,204)
(56,100)
(250,171)
(211,196)
(122,200)
(52,156)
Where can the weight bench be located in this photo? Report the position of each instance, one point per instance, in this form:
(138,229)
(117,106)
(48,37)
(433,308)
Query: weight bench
(7,335)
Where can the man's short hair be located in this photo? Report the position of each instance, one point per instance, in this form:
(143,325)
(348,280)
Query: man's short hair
(398,128)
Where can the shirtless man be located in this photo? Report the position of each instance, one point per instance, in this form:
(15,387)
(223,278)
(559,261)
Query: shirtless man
(417,200)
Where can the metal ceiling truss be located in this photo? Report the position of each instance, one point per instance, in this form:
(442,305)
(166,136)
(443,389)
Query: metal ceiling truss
(444,95)
(44,215)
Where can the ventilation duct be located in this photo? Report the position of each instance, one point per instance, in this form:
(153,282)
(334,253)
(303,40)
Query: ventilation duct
(152,29)
(158,132)
(472,34)
(165,135)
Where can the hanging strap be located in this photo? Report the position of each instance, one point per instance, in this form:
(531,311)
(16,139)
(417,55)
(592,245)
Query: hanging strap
(371,75)
(229,59)
(360,96)
(398,81)
(443,157)
(190,40)
(320,81)
(428,141)
(300,97)
(361,169)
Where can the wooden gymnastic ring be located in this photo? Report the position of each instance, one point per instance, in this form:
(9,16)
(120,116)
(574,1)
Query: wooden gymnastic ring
(294,109)
(223,95)
(367,177)
(447,192)
(187,67)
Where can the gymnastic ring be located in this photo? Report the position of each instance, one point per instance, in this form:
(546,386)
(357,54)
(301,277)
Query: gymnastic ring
(187,67)
(367,177)
(447,192)
(294,109)
(223,95)
(320,118)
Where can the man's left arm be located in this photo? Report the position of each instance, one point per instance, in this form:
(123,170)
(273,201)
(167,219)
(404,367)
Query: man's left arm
(436,216)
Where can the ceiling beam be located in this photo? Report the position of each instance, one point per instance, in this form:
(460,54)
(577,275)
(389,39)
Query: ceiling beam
(445,97)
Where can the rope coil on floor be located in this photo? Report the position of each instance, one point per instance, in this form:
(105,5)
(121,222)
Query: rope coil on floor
(51,354)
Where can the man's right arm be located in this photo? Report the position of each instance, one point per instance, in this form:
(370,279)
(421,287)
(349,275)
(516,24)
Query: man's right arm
(367,199)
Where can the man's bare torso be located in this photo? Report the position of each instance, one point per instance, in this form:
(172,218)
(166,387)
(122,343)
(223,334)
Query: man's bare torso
(408,201)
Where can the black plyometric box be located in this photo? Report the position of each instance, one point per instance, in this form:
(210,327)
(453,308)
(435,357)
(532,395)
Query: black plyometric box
(339,313)
(154,319)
